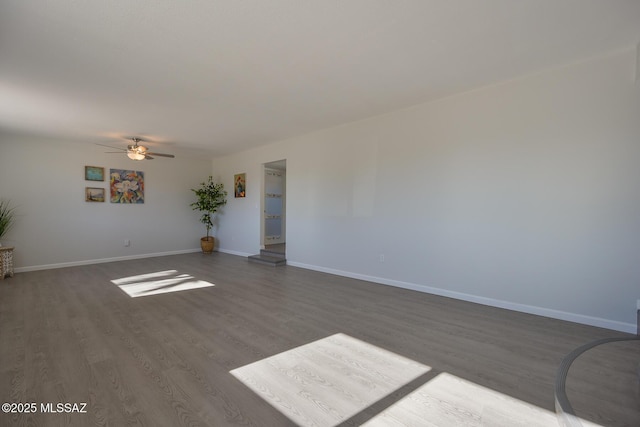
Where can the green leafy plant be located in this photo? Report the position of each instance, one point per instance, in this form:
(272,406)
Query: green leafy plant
(211,196)
(7,217)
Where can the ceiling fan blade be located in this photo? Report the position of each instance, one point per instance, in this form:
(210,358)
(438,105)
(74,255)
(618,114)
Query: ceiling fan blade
(162,155)
(110,146)
(148,157)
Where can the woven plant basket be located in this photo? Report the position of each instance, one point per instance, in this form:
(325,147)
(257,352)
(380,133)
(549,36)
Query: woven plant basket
(206,243)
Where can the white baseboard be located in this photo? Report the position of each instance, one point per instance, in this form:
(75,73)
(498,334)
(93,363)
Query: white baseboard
(102,260)
(540,311)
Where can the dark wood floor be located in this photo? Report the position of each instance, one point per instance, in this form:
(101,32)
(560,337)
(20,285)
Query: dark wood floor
(70,335)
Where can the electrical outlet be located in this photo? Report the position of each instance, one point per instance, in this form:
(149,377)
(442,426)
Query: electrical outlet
(127,242)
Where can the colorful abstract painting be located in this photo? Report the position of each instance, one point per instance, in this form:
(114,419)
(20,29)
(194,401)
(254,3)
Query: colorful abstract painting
(126,186)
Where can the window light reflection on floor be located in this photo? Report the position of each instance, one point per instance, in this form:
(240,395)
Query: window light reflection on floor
(447,400)
(160,282)
(327,381)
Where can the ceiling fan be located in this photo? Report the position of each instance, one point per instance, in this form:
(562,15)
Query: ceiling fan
(136,151)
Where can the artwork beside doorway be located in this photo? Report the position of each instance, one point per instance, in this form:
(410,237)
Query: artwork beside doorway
(240,185)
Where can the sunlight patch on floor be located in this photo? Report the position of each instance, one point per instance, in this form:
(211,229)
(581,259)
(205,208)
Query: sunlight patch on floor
(447,400)
(328,381)
(160,282)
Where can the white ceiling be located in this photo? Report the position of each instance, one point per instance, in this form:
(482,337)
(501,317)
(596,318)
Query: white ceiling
(229,75)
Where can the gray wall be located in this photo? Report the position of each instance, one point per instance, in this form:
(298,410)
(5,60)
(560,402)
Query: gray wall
(44,179)
(521,195)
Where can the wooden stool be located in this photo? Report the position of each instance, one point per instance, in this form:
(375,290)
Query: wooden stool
(6,261)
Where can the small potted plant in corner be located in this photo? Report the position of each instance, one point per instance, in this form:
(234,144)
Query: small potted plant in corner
(7,217)
(211,196)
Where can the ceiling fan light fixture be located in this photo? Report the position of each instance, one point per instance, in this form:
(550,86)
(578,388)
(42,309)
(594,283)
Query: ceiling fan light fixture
(135,155)
(137,152)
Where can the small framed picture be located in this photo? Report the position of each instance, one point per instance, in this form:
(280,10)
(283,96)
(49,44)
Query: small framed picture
(240,185)
(93,194)
(93,173)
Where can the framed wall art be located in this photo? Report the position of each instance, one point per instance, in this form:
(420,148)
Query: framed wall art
(93,194)
(93,173)
(126,186)
(240,185)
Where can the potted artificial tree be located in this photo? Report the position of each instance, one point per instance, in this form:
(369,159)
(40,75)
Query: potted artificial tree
(7,218)
(211,196)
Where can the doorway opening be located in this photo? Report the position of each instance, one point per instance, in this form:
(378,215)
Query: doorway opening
(273,228)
